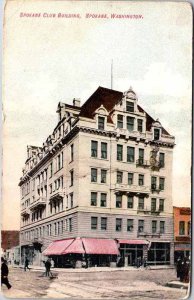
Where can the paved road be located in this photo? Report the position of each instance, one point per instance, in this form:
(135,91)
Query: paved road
(131,284)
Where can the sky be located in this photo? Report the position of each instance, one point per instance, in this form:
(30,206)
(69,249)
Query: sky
(51,59)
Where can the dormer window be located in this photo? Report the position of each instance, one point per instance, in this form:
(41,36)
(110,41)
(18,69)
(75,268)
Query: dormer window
(101,123)
(129,106)
(120,121)
(130,123)
(156,134)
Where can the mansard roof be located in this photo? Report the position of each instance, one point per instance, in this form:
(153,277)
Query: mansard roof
(109,98)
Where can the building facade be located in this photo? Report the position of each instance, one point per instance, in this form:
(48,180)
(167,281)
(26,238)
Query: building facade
(182,232)
(104,173)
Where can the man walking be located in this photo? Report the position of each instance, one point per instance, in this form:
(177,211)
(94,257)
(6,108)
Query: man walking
(4,273)
(26,264)
(48,267)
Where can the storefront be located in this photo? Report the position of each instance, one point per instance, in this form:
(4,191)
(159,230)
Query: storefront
(83,251)
(132,252)
(182,250)
(159,253)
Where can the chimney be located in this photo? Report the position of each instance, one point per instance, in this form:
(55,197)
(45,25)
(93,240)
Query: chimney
(76,102)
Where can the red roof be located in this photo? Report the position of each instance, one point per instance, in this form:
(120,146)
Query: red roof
(108,98)
(100,246)
(134,242)
(75,247)
(58,247)
(102,96)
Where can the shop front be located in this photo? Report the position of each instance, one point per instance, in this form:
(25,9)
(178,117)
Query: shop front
(132,252)
(159,253)
(79,252)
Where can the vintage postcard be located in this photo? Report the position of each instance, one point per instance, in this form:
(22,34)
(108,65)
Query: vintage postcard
(97,102)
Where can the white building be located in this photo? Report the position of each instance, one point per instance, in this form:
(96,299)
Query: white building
(103,177)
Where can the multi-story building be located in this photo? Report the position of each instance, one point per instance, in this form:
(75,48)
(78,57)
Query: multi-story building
(182,232)
(104,176)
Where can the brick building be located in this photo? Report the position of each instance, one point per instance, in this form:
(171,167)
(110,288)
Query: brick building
(102,181)
(182,231)
(9,239)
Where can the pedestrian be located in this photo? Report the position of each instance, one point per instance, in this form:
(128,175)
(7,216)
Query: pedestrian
(26,264)
(4,273)
(181,270)
(52,263)
(178,267)
(48,267)
(186,268)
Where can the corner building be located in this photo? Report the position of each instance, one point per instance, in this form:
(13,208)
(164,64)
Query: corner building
(102,178)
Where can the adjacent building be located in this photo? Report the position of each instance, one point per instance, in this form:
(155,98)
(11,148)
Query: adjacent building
(182,232)
(100,186)
(9,239)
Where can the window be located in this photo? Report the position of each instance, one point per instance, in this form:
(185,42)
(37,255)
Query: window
(141,202)
(118,224)
(51,188)
(153,182)
(103,200)
(162,226)
(162,160)
(94,149)
(120,121)
(129,224)
(58,162)
(71,200)
(101,123)
(93,175)
(62,226)
(119,152)
(140,225)
(129,106)
(94,222)
(161,205)
(181,228)
(156,134)
(103,223)
(93,199)
(119,177)
(161,183)
(51,169)
(154,226)
(70,224)
(118,201)
(130,154)
(130,178)
(141,179)
(104,150)
(71,178)
(72,152)
(189,228)
(103,176)
(153,204)
(130,201)
(139,125)
(130,123)
(141,156)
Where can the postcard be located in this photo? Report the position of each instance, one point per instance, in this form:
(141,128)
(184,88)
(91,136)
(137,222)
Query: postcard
(97,102)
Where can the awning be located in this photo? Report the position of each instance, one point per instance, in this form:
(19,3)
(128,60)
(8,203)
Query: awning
(75,247)
(100,246)
(134,242)
(58,247)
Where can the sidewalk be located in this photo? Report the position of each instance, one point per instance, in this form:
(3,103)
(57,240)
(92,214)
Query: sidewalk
(177,284)
(95,269)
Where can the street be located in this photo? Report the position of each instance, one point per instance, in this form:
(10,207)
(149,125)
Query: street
(91,284)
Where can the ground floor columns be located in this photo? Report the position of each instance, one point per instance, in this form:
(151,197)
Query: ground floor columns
(172,253)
